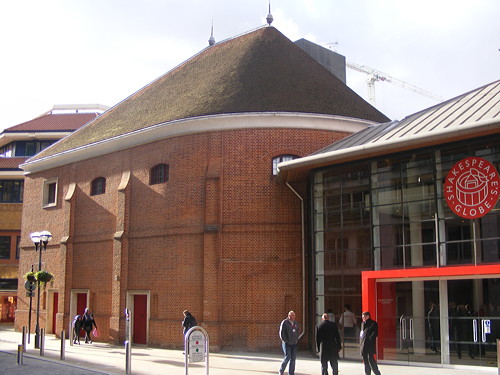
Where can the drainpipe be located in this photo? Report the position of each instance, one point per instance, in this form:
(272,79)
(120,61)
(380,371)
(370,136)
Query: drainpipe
(303,259)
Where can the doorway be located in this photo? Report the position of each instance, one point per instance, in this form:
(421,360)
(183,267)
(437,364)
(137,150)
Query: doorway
(439,321)
(138,304)
(79,301)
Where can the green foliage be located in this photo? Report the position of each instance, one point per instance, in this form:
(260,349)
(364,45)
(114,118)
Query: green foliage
(30,276)
(44,277)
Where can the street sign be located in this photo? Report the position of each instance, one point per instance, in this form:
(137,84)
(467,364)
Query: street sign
(196,346)
(29,286)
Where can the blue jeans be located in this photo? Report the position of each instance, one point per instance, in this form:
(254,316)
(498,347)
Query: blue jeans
(290,352)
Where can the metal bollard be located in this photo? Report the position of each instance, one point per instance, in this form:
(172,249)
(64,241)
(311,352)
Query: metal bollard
(19,354)
(42,342)
(71,334)
(128,357)
(498,356)
(24,338)
(63,345)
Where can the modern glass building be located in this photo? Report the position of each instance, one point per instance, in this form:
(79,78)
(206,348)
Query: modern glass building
(405,222)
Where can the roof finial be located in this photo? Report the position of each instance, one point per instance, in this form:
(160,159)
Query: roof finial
(211,40)
(269,17)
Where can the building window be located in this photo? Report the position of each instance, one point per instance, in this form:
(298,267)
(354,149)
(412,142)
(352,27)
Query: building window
(280,159)
(30,148)
(159,174)
(98,186)
(11,191)
(50,193)
(18,249)
(4,247)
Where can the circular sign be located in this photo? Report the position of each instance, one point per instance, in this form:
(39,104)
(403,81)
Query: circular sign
(472,187)
(29,286)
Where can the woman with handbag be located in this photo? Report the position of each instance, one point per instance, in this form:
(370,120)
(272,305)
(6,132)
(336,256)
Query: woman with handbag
(88,322)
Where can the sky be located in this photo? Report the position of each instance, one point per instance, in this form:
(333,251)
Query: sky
(102,51)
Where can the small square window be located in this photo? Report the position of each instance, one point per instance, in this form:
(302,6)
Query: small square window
(98,186)
(50,193)
(159,174)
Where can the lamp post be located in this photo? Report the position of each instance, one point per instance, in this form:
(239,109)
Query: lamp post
(40,239)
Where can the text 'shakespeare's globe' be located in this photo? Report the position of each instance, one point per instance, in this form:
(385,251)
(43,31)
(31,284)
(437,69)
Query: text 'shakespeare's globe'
(472,187)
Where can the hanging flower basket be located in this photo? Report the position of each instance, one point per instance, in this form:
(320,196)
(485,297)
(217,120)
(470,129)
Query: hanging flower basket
(44,277)
(30,276)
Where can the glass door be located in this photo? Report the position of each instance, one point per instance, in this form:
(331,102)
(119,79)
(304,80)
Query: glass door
(474,321)
(442,322)
(404,333)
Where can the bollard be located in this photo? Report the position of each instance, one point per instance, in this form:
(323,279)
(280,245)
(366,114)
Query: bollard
(24,339)
(19,354)
(71,334)
(498,356)
(128,357)
(63,345)
(42,342)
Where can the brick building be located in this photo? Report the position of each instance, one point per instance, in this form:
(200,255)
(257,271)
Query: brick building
(17,144)
(169,200)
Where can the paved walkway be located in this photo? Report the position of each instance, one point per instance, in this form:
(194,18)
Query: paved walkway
(100,358)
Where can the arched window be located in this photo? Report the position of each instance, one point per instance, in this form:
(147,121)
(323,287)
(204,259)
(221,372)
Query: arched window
(279,159)
(98,186)
(159,174)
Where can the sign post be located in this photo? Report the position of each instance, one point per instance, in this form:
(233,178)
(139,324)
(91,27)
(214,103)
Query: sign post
(196,347)
(30,292)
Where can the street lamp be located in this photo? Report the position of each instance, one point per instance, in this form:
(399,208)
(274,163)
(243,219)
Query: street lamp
(40,239)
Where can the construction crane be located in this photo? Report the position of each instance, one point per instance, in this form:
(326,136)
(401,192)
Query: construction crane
(375,75)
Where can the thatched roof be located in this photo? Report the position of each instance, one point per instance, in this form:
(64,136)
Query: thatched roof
(261,71)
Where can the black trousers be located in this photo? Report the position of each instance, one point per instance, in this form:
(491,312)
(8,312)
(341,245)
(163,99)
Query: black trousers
(370,364)
(324,366)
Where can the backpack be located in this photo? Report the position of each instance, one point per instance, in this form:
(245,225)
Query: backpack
(192,322)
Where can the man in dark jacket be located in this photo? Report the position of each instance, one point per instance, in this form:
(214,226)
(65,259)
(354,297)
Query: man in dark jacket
(368,337)
(328,344)
(289,334)
(188,322)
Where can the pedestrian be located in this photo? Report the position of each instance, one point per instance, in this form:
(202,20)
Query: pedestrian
(348,322)
(331,315)
(329,344)
(188,322)
(77,326)
(289,334)
(468,336)
(88,322)
(434,327)
(368,337)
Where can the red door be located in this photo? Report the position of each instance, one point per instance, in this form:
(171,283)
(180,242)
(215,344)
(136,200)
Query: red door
(140,318)
(81,304)
(54,311)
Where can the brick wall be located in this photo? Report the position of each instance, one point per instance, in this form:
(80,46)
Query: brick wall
(221,238)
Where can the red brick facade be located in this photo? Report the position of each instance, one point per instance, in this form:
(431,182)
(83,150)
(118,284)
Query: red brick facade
(221,238)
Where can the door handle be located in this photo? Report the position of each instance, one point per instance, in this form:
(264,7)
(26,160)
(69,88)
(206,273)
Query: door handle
(402,333)
(483,333)
(474,329)
(411,330)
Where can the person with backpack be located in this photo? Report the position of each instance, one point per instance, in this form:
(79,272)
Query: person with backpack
(77,326)
(189,321)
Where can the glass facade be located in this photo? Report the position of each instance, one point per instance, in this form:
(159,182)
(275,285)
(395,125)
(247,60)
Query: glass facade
(390,213)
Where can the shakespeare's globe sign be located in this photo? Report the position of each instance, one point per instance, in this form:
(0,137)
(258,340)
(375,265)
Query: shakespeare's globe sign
(472,187)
